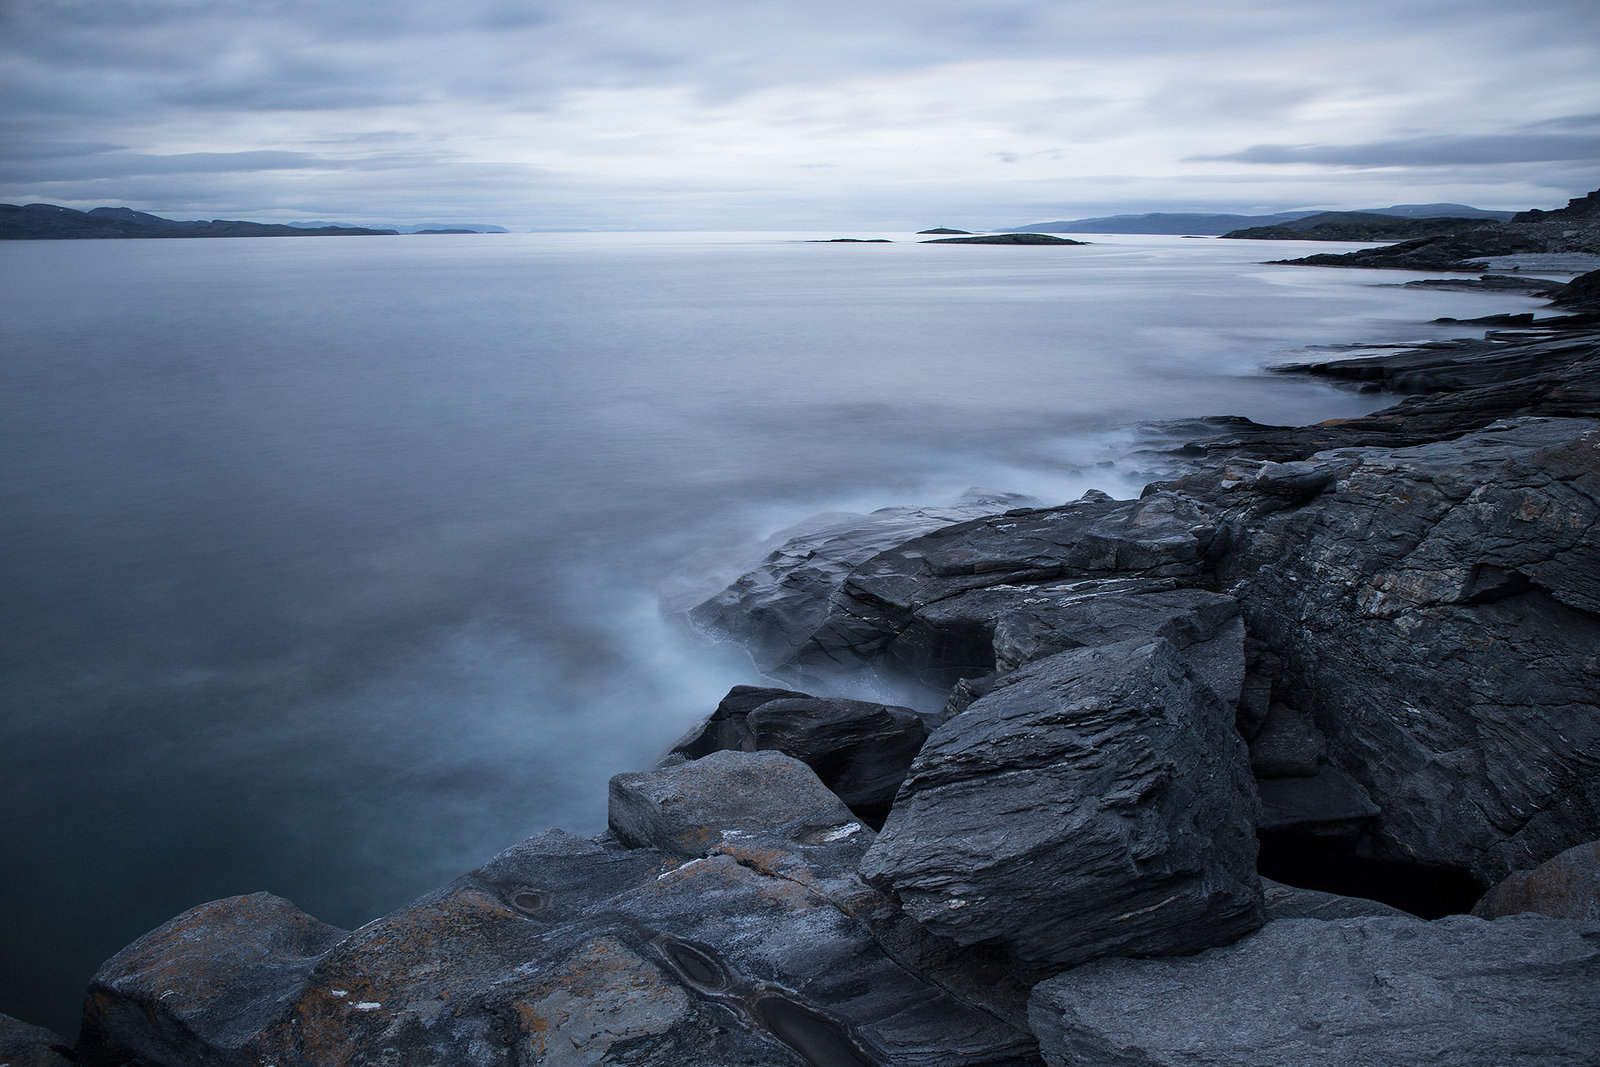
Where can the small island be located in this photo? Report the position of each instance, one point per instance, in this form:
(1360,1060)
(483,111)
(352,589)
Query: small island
(1007,239)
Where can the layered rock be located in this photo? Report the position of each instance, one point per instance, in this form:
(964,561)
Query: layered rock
(1097,801)
(1364,991)
(734,931)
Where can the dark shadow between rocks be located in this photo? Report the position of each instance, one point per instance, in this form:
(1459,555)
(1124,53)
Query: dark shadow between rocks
(1425,891)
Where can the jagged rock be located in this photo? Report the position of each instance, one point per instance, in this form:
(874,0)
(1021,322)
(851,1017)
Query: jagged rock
(1436,610)
(726,729)
(200,988)
(1098,803)
(1159,537)
(860,750)
(23,1045)
(1566,886)
(772,609)
(1581,292)
(1367,992)
(1281,901)
(752,944)
(1288,745)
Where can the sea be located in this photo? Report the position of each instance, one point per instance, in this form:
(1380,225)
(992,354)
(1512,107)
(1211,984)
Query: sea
(332,566)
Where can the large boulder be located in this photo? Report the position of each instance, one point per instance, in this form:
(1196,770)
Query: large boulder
(1098,801)
(1435,610)
(1364,992)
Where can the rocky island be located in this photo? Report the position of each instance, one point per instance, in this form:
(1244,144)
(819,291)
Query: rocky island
(1219,775)
(37,222)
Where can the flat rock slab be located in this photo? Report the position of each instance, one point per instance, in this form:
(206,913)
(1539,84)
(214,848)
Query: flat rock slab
(1366,992)
(1099,803)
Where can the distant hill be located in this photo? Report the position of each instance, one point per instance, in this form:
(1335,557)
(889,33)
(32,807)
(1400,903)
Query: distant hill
(1216,225)
(35,222)
(1360,226)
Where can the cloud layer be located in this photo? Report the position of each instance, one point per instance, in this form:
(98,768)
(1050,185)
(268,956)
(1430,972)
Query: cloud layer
(760,113)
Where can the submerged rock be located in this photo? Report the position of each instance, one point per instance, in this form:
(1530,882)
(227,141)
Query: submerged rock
(1368,992)
(1098,803)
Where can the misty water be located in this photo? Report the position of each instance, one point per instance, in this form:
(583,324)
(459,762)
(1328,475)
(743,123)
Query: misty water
(332,566)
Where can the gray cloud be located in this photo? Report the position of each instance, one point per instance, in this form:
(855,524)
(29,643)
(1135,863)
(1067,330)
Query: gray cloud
(1435,151)
(133,164)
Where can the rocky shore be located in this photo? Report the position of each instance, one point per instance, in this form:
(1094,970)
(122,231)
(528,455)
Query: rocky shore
(1219,775)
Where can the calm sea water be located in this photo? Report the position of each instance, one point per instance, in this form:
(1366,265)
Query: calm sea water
(332,566)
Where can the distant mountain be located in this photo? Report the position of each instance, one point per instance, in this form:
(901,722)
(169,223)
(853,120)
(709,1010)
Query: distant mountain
(35,222)
(419,227)
(1216,225)
(1360,226)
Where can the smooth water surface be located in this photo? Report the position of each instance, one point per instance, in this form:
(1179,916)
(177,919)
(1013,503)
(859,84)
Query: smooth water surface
(331,566)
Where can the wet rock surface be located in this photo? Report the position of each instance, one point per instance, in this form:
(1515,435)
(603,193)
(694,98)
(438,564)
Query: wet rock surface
(1361,991)
(1099,802)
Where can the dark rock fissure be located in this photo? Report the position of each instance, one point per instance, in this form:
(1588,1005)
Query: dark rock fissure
(1425,891)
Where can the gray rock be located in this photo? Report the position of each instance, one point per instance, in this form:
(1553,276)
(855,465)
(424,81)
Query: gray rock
(23,1045)
(773,609)
(725,729)
(761,950)
(683,809)
(1328,804)
(1288,902)
(1566,886)
(1098,803)
(860,750)
(1288,745)
(197,990)
(1367,992)
(1436,611)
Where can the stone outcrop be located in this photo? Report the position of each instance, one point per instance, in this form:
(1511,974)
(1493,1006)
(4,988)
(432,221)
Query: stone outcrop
(1363,991)
(22,1045)
(1097,801)
(723,925)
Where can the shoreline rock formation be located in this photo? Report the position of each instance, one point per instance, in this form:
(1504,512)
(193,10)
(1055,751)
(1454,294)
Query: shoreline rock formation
(1365,645)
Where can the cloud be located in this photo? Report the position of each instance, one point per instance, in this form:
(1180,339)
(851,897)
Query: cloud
(1434,151)
(133,164)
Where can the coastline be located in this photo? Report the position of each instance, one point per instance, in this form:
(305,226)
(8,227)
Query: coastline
(747,843)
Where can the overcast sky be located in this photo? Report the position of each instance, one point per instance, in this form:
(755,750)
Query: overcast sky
(793,114)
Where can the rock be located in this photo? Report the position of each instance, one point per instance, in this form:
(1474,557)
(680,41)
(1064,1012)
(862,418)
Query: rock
(761,949)
(1581,292)
(22,1045)
(774,608)
(1366,992)
(198,989)
(726,728)
(680,809)
(1098,803)
(1436,611)
(1327,804)
(1159,537)
(1288,745)
(1281,901)
(860,750)
(1566,886)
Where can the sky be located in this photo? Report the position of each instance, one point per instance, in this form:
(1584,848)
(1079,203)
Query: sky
(783,114)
